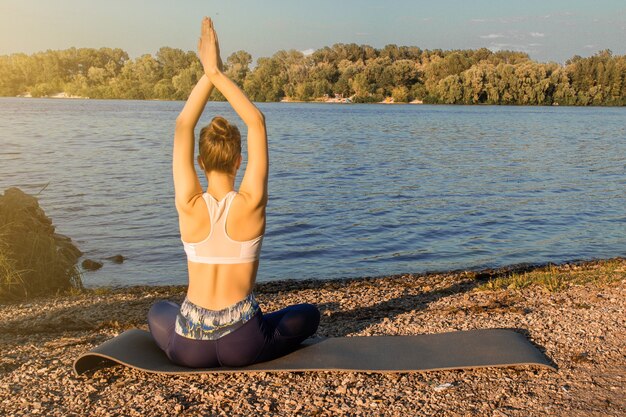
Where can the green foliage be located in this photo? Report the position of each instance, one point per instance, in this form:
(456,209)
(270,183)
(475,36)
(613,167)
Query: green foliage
(400,94)
(361,72)
(267,81)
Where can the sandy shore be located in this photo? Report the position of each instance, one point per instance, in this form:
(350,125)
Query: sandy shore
(580,327)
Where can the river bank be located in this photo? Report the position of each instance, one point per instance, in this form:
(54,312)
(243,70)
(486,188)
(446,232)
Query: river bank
(573,312)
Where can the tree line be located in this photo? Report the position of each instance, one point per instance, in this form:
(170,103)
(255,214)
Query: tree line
(360,72)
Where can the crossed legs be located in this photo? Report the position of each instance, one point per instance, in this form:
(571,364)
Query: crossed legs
(262,338)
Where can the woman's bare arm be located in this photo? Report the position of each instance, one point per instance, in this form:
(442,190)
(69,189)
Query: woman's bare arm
(191,112)
(254,183)
(186,183)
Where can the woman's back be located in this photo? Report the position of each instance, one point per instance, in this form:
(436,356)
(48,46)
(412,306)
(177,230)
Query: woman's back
(222,238)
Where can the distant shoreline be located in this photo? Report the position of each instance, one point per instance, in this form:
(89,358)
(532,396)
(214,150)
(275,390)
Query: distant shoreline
(65,97)
(61,95)
(388,100)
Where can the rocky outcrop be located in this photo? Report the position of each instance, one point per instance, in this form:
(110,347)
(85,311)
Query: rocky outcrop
(34,259)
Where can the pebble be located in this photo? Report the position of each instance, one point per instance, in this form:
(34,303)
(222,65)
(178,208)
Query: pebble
(443,387)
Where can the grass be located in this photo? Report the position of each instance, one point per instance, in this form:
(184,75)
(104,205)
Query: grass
(100,290)
(559,277)
(10,276)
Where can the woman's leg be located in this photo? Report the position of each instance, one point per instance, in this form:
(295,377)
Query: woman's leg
(242,346)
(268,336)
(161,320)
(285,329)
(192,353)
(179,349)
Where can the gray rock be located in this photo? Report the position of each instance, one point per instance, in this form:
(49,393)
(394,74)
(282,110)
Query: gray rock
(91,265)
(116,259)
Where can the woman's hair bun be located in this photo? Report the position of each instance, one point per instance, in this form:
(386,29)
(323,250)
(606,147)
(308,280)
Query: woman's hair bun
(221,128)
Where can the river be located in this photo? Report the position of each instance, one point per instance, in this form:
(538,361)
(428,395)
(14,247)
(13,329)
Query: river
(355,189)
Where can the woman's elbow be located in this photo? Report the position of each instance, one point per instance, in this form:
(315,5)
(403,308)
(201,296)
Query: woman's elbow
(183,122)
(258,119)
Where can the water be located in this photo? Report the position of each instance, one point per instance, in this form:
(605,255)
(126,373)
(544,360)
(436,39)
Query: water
(355,190)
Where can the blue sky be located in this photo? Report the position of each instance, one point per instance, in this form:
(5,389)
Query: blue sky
(549,30)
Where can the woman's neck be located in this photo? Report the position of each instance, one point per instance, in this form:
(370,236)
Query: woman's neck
(220,184)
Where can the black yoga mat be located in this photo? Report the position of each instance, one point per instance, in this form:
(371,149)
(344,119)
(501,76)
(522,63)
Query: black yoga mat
(416,353)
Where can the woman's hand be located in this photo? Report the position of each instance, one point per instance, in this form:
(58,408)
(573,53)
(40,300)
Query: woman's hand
(209,48)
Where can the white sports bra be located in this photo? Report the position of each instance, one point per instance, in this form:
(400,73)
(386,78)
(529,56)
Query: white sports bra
(218,247)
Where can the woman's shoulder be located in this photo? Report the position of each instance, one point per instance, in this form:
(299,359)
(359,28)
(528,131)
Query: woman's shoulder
(253,201)
(195,224)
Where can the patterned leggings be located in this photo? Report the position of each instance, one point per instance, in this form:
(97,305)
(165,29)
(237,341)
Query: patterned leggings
(261,338)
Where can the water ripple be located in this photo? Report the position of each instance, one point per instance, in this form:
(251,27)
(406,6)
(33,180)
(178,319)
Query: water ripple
(354,190)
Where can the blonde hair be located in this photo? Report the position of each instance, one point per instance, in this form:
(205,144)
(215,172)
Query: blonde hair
(219,145)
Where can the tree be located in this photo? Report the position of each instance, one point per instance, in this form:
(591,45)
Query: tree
(475,81)
(450,90)
(172,61)
(185,80)
(137,78)
(266,82)
(238,66)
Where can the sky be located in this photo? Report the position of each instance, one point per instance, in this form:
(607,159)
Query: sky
(548,30)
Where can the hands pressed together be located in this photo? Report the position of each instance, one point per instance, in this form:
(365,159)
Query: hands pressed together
(209,48)
(209,53)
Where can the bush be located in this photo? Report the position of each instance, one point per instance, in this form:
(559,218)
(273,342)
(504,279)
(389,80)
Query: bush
(372,98)
(400,94)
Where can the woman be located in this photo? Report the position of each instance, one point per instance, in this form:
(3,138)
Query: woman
(220,322)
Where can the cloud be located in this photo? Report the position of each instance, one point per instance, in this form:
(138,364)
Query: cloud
(561,17)
(589,46)
(411,18)
(492,36)
(513,19)
(307,52)
(514,34)
(500,46)
(503,20)
(528,48)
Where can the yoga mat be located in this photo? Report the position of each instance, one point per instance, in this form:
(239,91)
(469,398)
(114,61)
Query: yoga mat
(416,353)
